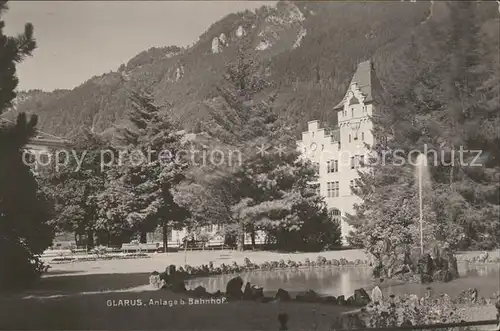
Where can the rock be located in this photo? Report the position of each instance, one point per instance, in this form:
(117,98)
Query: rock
(442,276)
(335,262)
(426,269)
(217,294)
(233,288)
(282,295)
(200,291)
(155,280)
(377,295)
(358,262)
(341,301)
(252,292)
(483,257)
(176,285)
(468,296)
(321,260)
(452,266)
(265,300)
(216,48)
(351,301)
(361,297)
(309,296)
(240,31)
(413,299)
(330,300)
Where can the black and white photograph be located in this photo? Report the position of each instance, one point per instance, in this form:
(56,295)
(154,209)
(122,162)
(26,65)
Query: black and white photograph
(250,165)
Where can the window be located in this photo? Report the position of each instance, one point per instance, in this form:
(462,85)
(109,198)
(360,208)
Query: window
(335,215)
(332,189)
(322,146)
(363,136)
(361,160)
(352,112)
(349,138)
(352,162)
(353,186)
(332,166)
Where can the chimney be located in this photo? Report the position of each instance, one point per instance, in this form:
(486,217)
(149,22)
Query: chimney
(312,126)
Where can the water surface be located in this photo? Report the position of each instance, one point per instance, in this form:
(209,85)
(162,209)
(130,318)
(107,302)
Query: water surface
(344,280)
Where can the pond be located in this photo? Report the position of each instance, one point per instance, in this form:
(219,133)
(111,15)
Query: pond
(344,280)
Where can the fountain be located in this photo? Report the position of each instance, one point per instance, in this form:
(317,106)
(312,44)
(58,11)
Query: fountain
(422,173)
(442,265)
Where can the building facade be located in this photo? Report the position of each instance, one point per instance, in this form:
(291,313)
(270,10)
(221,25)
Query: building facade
(342,152)
(39,151)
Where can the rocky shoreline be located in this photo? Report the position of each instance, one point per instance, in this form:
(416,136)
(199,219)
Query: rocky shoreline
(174,279)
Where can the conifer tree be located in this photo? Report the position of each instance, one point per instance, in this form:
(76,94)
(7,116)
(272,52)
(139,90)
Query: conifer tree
(272,189)
(140,186)
(24,210)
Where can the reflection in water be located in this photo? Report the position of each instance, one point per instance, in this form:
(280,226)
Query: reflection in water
(343,281)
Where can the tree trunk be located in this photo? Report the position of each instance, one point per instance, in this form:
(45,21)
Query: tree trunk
(252,236)
(164,234)
(241,239)
(90,239)
(143,237)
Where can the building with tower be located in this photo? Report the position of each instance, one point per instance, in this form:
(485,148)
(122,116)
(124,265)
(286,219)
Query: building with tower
(342,152)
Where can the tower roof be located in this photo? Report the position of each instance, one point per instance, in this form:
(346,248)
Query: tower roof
(367,82)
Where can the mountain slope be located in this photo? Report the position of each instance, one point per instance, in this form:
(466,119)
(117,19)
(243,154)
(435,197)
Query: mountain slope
(309,49)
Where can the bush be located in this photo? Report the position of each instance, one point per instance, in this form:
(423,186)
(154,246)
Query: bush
(410,310)
(19,266)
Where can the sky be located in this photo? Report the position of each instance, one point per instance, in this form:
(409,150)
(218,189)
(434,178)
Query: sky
(80,39)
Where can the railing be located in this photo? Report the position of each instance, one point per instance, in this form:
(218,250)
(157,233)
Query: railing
(283,320)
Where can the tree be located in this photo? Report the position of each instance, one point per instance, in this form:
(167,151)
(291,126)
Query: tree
(75,185)
(272,187)
(141,184)
(24,210)
(449,107)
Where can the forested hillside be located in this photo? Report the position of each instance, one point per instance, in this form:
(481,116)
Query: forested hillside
(308,49)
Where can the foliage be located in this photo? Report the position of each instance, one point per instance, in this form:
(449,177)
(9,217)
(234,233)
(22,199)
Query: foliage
(272,189)
(410,310)
(24,210)
(440,114)
(75,185)
(139,186)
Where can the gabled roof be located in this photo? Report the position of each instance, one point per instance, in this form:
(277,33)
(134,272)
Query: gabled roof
(367,81)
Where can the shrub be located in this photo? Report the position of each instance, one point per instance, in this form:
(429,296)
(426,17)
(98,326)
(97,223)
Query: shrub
(410,310)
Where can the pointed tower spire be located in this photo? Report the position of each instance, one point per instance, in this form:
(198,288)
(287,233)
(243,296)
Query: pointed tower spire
(366,81)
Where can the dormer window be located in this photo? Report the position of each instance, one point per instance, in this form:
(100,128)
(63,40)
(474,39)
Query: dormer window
(354,101)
